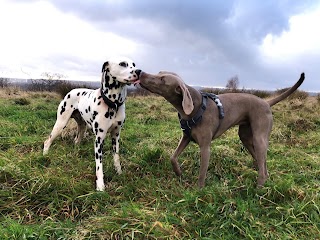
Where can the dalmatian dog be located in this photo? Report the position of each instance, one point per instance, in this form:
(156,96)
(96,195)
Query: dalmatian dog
(102,110)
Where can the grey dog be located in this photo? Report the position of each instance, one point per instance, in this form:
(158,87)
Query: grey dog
(251,113)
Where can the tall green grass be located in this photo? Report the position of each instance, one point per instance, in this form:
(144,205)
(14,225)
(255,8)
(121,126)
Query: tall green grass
(54,197)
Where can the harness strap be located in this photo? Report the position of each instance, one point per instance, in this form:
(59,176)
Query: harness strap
(186,125)
(113,105)
(216,99)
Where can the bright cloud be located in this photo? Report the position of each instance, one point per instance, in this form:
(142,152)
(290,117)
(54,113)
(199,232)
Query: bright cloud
(34,34)
(302,38)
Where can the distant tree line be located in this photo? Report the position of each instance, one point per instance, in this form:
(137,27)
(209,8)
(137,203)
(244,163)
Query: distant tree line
(53,82)
(4,82)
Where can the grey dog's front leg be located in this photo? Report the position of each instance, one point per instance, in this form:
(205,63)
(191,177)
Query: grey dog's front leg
(184,141)
(204,163)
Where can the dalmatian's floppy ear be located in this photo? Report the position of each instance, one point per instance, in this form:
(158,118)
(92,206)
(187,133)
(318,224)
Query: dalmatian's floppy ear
(187,103)
(104,65)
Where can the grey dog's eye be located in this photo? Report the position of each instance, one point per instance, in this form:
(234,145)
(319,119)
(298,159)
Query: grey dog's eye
(123,64)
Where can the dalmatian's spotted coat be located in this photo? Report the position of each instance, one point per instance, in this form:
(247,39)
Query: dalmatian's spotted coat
(102,110)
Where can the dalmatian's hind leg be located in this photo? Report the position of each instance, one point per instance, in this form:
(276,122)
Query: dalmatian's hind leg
(63,116)
(81,124)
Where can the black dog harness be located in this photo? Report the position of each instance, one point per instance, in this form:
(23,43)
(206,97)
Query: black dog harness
(186,125)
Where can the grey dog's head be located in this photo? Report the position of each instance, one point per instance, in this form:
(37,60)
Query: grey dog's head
(170,86)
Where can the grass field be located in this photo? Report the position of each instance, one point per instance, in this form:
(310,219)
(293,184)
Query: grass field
(54,197)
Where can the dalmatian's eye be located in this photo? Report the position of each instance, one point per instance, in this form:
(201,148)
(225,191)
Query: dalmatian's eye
(123,64)
(133,64)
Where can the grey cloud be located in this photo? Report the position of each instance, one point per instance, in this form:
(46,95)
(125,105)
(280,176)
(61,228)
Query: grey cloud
(208,40)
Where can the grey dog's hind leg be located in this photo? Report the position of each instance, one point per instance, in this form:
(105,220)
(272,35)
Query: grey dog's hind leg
(245,135)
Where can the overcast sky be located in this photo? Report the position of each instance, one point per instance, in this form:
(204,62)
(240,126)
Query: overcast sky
(267,44)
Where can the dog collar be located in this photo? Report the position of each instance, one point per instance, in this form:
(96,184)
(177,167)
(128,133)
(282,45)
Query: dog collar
(186,125)
(114,105)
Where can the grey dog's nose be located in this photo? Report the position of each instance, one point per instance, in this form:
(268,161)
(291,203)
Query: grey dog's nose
(138,71)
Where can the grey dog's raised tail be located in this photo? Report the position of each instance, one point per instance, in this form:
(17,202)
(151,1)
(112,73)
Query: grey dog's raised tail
(286,93)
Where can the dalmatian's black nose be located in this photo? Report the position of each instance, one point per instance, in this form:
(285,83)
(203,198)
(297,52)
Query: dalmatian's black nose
(138,71)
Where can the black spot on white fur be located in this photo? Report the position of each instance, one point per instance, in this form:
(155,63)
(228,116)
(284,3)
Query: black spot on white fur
(95,113)
(63,108)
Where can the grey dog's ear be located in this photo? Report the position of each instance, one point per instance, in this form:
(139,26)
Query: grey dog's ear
(166,72)
(187,103)
(104,65)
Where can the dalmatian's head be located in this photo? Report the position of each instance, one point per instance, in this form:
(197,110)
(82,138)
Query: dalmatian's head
(119,69)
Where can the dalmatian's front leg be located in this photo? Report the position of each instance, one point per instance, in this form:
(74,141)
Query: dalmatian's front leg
(98,157)
(115,137)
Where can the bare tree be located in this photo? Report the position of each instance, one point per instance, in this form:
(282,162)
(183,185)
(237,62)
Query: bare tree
(48,83)
(233,84)
(53,76)
(4,82)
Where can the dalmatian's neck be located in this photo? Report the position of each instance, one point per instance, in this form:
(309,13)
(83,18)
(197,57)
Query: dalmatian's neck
(113,92)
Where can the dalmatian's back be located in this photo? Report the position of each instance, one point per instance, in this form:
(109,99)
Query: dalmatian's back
(92,108)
